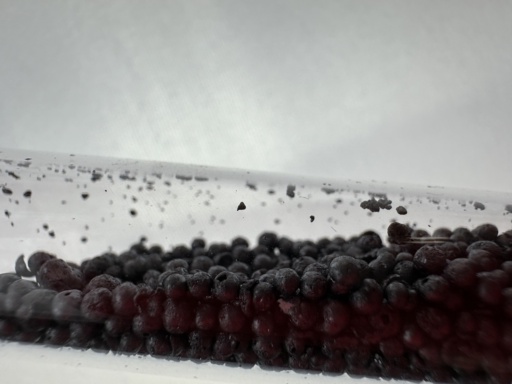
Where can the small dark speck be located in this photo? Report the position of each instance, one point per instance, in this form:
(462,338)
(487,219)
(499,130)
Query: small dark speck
(201,178)
(45,227)
(51,233)
(7,191)
(241,206)
(290,191)
(401,210)
(83,239)
(328,190)
(479,205)
(271,191)
(251,186)
(508,208)
(339,201)
(27,194)
(7,213)
(85,195)
(96,176)
(184,177)
(12,174)
(311,218)
(133,212)
(63,202)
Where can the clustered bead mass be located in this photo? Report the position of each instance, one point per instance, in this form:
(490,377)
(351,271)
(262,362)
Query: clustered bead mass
(439,311)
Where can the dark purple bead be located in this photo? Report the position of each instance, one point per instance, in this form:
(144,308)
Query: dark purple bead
(433,288)
(368,298)
(123,302)
(287,282)
(336,317)
(484,260)
(429,259)
(264,297)
(314,285)
(175,286)
(56,274)
(434,322)
(16,290)
(102,281)
(490,286)
(206,317)
(66,305)
(157,344)
(461,273)
(36,260)
(231,318)
(226,286)
(117,325)
(6,279)
(201,263)
(97,304)
(267,348)
(178,316)
(344,274)
(199,284)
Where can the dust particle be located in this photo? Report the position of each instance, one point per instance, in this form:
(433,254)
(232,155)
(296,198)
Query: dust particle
(479,206)
(401,210)
(290,191)
(85,195)
(27,194)
(311,218)
(241,206)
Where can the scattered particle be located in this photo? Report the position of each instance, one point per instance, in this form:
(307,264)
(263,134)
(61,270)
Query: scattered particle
(83,239)
(96,176)
(6,191)
(27,194)
(311,218)
(376,205)
(63,202)
(479,206)
(24,164)
(328,190)
(12,174)
(134,199)
(271,192)
(508,208)
(183,177)
(290,191)
(133,212)
(51,233)
(251,186)
(45,227)
(7,213)
(201,178)
(241,206)
(127,177)
(85,195)
(277,221)
(338,201)
(401,210)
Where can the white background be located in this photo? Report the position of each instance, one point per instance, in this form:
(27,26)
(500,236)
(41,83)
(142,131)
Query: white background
(397,90)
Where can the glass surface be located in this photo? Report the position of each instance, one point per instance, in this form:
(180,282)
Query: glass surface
(78,207)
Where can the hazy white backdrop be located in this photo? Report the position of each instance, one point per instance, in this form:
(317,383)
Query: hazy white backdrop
(398,90)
